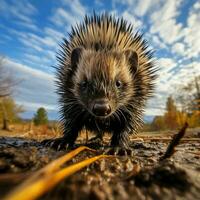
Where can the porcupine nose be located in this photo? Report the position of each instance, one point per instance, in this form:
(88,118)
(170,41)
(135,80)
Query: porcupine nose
(101,108)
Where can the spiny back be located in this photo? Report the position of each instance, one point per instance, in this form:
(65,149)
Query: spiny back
(107,32)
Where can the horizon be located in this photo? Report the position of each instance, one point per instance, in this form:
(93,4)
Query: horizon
(30,38)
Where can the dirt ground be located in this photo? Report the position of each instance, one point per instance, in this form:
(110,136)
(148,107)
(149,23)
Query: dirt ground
(140,176)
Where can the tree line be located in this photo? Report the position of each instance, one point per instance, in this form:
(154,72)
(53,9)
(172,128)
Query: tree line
(10,114)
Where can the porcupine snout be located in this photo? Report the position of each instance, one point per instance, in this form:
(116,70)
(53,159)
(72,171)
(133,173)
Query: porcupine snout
(101,108)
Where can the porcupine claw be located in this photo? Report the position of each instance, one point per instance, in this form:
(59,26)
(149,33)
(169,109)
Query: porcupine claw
(96,140)
(119,151)
(58,144)
(46,142)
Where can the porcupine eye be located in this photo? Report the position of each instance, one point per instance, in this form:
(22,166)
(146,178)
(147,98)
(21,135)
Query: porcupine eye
(118,84)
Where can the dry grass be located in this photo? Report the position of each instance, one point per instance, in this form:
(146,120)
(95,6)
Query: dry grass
(29,130)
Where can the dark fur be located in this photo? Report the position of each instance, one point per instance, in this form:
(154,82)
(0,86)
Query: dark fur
(126,118)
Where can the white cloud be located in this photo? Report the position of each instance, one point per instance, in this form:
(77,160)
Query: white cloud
(70,14)
(155,41)
(22,10)
(28,25)
(56,35)
(76,7)
(131,19)
(168,10)
(27,70)
(50,54)
(34,106)
(156,106)
(192,33)
(166,65)
(63,18)
(169,31)
(28,43)
(37,59)
(99,3)
(164,21)
(137,7)
(153,111)
(39,43)
(197,5)
(178,48)
(25,7)
(143,7)
(20,13)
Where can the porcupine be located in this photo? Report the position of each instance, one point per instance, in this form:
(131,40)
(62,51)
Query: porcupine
(106,73)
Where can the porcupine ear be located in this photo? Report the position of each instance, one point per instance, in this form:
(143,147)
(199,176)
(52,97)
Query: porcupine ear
(132,58)
(75,56)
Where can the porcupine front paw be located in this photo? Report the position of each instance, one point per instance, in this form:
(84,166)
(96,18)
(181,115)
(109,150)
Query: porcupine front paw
(95,143)
(119,145)
(96,139)
(58,144)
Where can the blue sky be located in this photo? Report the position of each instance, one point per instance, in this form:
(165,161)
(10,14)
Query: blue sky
(30,32)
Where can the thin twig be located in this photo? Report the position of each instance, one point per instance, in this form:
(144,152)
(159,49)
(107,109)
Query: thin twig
(174,142)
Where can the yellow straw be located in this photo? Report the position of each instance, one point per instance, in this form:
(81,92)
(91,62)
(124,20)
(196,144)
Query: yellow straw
(49,176)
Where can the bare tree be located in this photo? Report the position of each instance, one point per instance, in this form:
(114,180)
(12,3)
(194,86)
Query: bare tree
(189,96)
(197,93)
(7,84)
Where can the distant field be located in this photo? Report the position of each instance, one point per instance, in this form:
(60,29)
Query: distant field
(28,130)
